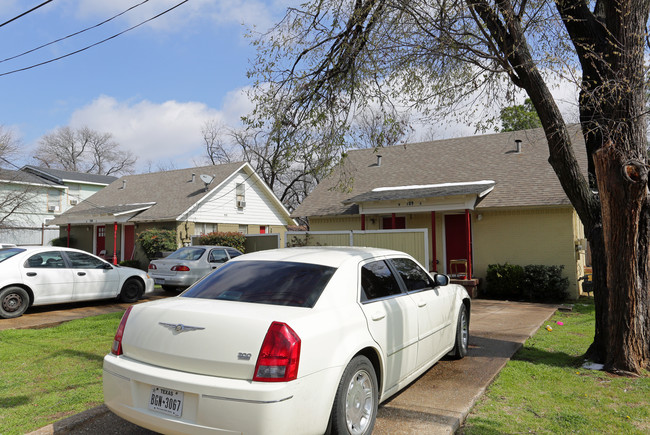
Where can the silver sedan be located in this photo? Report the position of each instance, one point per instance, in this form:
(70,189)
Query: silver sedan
(187,265)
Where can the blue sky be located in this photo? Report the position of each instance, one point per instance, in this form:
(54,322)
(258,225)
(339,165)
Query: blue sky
(152,88)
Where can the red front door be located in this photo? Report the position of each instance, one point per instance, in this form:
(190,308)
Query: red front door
(400,223)
(100,240)
(456,240)
(129,242)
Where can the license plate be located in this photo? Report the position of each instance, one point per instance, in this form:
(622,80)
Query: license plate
(159,280)
(167,401)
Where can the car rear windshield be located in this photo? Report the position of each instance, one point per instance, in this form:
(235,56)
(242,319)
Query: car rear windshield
(9,252)
(191,254)
(265,282)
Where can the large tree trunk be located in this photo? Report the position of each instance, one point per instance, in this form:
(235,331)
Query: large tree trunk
(622,184)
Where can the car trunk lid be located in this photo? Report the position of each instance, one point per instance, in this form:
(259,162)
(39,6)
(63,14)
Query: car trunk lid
(211,337)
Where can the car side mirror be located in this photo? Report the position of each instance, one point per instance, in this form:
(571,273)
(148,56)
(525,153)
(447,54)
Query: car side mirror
(441,280)
(107,266)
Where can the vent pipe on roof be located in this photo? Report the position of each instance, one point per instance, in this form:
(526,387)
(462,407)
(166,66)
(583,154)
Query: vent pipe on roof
(123,185)
(378,159)
(518,145)
(193,177)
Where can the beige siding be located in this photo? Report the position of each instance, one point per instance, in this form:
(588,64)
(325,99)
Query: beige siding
(523,237)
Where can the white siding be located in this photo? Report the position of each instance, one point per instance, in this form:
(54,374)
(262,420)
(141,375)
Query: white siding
(221,207)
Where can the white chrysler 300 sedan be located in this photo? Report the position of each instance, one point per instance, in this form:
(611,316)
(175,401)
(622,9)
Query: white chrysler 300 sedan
(288,341)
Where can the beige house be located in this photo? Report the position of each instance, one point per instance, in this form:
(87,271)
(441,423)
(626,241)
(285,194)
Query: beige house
(195,201)
(478,200)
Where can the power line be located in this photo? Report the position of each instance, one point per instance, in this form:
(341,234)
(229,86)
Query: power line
(25,13)
(74,34)
(96,43)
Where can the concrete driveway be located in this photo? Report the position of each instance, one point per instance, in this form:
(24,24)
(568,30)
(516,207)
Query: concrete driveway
(49,315)
(437,403)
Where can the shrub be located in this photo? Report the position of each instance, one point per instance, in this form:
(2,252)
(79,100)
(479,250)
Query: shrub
(132,263)
(504,281)
(232,239)
(543,283)
(157,240)
(531,283)
(63,242)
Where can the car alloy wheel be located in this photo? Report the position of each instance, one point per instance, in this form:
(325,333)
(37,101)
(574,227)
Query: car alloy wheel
(359,402)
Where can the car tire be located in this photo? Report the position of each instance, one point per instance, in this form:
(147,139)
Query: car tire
(461,344)
(357,397)
(169,288)
(131,291)
(14,301)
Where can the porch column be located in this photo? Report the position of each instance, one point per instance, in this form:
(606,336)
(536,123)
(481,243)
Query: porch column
(393,223)
(68,245)
(469,244)
(434,264)
(363,222)
(114,242)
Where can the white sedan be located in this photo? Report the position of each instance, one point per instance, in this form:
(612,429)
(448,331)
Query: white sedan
(41,275)
(288,341)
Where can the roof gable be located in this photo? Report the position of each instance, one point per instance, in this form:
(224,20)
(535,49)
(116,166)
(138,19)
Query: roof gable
(521,178)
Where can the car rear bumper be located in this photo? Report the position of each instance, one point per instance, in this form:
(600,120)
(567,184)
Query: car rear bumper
(173,280)
(219,405)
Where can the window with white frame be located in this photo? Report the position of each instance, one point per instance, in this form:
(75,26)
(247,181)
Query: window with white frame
(240,195)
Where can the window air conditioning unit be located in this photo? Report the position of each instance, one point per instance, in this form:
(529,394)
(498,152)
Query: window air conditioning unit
(73,202)
(53,208)
(241,204)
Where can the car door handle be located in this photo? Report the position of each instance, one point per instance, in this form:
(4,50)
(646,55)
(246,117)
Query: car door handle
(31,274)
(422,304)
(81,273)
(377,316)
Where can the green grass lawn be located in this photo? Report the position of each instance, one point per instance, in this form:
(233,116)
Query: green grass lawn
(544,389)
(51,373)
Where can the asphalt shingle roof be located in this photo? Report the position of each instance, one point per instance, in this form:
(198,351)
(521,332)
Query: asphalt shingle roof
(522,179)
(163,195)
(59,175)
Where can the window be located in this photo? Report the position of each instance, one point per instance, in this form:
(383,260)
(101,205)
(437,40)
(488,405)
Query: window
(80,260)
(49,260)
(413,276)
(188,253)
(243,229)
(218,256)
(240,195)
(377,281)
(233,252)
(265,282)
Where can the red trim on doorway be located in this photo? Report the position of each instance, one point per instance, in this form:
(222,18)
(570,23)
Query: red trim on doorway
(114,242)
(434,261)
(468,222)
(363,222)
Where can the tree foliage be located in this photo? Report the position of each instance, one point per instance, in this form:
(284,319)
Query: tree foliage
(84,150)
(329,60)
(519,117)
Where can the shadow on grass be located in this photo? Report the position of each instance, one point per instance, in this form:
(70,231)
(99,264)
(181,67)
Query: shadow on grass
(553,359)
(12,402)
(85,355)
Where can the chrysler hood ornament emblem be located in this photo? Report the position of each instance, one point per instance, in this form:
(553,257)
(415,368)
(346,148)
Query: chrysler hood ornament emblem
(179,327)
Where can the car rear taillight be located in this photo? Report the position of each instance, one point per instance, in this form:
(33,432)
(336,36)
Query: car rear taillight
(152,266)
(279,355)
(180,268)
(117,341)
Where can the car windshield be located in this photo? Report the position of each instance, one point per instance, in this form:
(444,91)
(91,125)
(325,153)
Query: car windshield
(265,282)
(188,253)
(9,252)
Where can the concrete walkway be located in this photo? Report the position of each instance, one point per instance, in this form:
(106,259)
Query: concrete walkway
(437,403)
